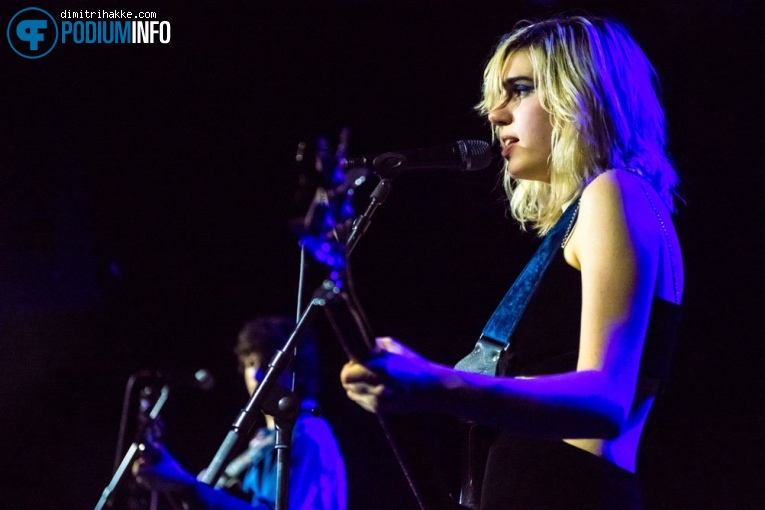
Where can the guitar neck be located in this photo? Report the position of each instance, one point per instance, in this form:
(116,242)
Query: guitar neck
(403,433)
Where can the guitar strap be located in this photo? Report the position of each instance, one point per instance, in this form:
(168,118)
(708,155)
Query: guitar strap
(495,337)
(487,355)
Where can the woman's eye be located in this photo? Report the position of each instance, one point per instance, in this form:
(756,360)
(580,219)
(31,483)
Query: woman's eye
(521,90)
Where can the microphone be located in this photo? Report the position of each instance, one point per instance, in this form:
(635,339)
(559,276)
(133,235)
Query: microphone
(462,155)
(201,379)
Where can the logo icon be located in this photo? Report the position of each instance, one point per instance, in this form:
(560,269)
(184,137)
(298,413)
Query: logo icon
(32,32)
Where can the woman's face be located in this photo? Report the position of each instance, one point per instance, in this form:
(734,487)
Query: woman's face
(523,126)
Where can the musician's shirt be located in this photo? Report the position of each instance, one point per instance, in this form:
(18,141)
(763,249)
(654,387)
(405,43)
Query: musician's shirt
(317,471)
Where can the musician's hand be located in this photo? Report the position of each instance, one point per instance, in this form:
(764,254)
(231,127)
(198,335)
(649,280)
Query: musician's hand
(158,470)
(398,380)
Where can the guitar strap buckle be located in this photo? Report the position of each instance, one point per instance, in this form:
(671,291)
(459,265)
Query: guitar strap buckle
(484,357)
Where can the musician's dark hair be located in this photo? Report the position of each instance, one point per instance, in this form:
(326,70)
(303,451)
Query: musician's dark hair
(266,334)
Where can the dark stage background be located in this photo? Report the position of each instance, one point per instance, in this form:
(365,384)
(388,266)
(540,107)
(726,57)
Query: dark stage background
(145,192)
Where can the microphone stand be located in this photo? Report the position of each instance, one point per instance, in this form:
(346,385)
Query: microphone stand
(267,390)
(269,396)
(289,408)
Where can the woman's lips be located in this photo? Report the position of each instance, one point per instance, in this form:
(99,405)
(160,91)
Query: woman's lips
(507,148)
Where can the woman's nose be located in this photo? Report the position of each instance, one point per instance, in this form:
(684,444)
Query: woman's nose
(500,116)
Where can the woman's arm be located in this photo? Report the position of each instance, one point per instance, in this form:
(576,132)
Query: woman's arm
(615,245)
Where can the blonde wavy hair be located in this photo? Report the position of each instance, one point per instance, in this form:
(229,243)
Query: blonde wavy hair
(601,93)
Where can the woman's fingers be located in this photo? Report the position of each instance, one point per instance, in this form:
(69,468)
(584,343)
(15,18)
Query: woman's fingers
(353,372)
(367,396)
(395,381)
(362,386)
(365,389)
(390,344)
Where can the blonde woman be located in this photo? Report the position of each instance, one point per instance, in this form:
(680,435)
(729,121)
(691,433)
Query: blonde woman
(573,105)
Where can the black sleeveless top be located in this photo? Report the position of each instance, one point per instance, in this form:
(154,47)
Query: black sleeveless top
(530,473)
(546,340)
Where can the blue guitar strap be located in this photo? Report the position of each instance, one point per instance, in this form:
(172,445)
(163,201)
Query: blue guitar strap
(495,336)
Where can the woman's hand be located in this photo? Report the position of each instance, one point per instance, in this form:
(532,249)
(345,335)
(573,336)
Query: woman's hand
(397,380)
